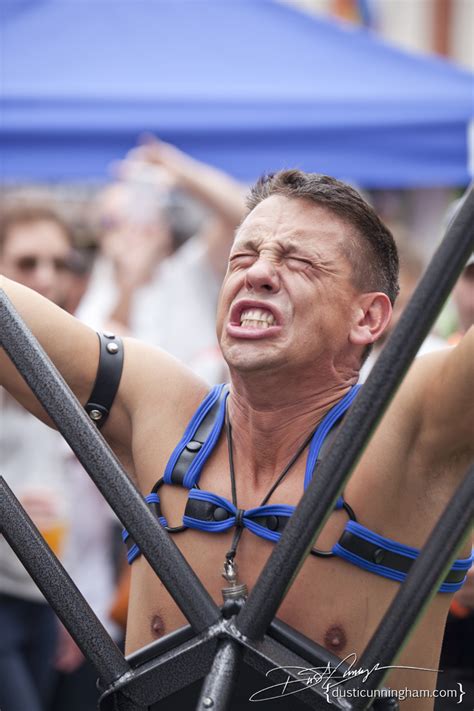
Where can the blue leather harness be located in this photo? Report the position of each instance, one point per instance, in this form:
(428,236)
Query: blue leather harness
(206,511)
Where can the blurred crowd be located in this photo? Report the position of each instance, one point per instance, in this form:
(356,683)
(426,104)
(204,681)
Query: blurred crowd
(147,261)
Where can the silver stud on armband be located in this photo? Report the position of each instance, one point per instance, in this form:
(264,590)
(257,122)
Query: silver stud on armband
(112,348)
(95,415)
(108,334)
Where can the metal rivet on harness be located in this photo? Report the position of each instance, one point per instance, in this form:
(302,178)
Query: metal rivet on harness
(272,522)
(193,446)
(95,415)
(112,348)
(220,514)
(378,555)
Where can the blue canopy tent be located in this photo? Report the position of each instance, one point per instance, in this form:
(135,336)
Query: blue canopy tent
(247,85)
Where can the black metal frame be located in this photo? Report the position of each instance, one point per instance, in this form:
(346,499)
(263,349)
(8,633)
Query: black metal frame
(214,645)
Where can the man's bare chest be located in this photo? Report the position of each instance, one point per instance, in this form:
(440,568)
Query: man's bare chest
(382,491)
(331,601)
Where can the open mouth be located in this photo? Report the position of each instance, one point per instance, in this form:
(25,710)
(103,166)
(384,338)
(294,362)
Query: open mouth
(249,319)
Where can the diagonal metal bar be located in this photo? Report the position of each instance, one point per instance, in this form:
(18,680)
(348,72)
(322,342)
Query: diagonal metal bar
(420,586)
(364,415)
(58,588)
(294,664)
(165,671)
(288,680)
(104,468)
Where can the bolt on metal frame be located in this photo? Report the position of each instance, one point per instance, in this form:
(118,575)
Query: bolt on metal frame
(215,646)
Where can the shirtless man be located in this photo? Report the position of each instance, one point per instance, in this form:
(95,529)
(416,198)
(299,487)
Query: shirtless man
(312,274)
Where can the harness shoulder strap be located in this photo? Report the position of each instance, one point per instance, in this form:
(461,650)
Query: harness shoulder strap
(198,440)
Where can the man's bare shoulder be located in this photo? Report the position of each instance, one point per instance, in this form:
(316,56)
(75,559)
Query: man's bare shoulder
(155,381)
(160,395)
(445,379)
(432,411)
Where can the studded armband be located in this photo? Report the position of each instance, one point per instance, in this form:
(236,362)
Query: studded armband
(107,379)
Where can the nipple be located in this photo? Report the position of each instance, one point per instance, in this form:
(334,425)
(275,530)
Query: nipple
(335,639)
(157,626)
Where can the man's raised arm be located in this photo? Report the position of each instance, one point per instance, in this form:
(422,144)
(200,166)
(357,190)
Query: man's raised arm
(150,376)
(74,349)
(444,383)
(72,346)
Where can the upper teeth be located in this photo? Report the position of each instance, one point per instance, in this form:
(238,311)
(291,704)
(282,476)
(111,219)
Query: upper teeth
(261,318)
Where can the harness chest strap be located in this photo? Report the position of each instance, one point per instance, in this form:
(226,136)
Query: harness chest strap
(205,510)
(209,512)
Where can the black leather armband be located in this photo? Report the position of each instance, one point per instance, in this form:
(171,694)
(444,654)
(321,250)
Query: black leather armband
(107,379)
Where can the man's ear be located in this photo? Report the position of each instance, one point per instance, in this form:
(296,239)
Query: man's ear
(373,314)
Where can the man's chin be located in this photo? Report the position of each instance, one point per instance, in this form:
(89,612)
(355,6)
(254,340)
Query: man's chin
(248,360)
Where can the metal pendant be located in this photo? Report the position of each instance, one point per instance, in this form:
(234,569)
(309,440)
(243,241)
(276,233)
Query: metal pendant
(235,589)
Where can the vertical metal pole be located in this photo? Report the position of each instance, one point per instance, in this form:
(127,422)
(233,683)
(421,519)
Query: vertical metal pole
(421,584)
(369,406)
(58,588)
(105,469)
(216,693)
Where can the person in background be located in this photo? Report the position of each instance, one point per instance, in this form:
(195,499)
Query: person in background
(35,244)
(411,269)
(40,665)
(80,267)
(90,554)
(147,282)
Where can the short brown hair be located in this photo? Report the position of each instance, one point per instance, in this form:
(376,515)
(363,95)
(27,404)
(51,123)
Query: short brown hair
(21,213)
(373,252)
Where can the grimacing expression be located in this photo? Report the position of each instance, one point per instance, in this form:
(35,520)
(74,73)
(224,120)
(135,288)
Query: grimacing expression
(35,254)
(288,295)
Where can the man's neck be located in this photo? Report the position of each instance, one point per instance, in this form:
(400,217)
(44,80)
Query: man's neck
(270,423)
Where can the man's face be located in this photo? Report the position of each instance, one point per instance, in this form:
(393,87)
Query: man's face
(35,254)
(287,297)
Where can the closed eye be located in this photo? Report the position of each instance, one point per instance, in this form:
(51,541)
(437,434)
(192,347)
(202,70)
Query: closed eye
(298,262)
(242,259)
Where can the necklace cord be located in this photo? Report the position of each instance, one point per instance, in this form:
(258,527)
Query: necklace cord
(230,555)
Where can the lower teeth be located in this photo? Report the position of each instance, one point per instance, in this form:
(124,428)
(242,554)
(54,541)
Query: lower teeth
(251,323)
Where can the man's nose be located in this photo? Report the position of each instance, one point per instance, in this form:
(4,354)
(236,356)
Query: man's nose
(262,276)
(44,277)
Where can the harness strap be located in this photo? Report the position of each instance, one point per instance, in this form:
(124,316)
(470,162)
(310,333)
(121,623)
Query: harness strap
(383,556)
(208,512)
(324,428)
(107,380)
(187,460)
(133,551)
